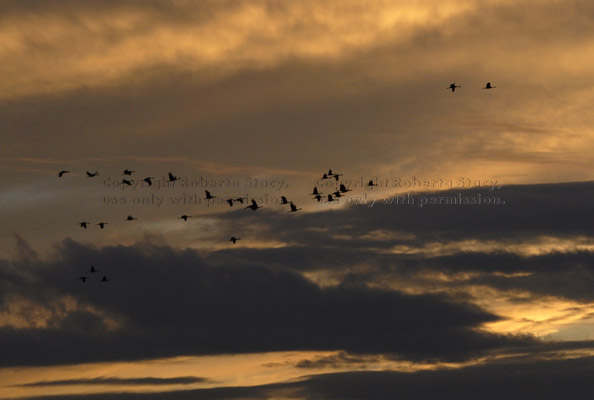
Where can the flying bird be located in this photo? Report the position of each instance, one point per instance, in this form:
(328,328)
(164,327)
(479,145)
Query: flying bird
(284,200)
(330,198)
(93,270)
(326,176)
(371,184)
(294,207)
(104,279)
(102,224)
(254,206)
(453,86)
(148,180)
(239,199)
(488,86)
(318,197)
(343,189)
(61,173)
(92,174)
(336,176)
(83,278)
(234,239)
(337,194)
(230,201)
(126,182)
(172,178)
(127,172)
(208,195)
(315,191)
(185,217)
(130,218)
(83,224)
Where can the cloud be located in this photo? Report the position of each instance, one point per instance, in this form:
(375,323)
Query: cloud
(165,302)
(181,380)
(510,380)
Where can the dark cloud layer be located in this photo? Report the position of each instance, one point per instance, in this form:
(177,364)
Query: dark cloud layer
(547,380)
(180,380)
(169,302)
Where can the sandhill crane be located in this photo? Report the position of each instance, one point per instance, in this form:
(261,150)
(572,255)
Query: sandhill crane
(102,224)
(337,176)
(230,201)
(126,182)
(92,174)
(127,172)
(148,180)
(130,218)
(93,270)
(325,176)
(239,199)
(208,195)
(61,173)
(315,191)
(453,87)
(234,239)
(284,200)
(83,278)
(104,279)
(185,217)
(254,206)
(488,86)
(343,189)
(294,207)
(172,178)
(330,198)
(337,194)
(318,197)
(370,184)
(83,224)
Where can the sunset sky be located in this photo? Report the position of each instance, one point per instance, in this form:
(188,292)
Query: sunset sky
(465,272)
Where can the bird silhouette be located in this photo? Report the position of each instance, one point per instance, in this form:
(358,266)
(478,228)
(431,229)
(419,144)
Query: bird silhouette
(330,172)
(83,278)
(239,199)
(61,173)
(370,184)
(453,87)
(104,279)
(284,200)
(315,191)
(102,224)
(230,201)
(93,270)
(173,178)
(130,218)
(318,197)
(185,217)
(148,180)
(294,207)
(126,182)
(92,174)
(127,172)
(330,198)
(209,196)
(343,189)
(254,206)
(325,176)
(83,224)
(337,194)
(337,176)
(234,239)
(488,86)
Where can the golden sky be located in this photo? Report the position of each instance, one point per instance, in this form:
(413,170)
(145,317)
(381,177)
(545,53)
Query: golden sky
(257,99)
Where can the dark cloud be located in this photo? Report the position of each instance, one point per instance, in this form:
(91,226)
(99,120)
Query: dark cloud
(169,302)
(180,380)
(501,380)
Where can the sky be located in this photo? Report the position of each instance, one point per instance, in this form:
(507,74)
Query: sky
(464,271)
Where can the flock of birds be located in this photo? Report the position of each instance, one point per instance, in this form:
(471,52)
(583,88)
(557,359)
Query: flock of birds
(453,86)
(317,195)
